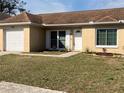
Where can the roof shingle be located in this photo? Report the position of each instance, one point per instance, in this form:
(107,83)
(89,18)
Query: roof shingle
(84,16)
(24,17)
(104,15)
(3,16)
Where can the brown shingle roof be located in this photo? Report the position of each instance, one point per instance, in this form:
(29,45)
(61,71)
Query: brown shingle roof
(107,19)
(84,16)
(3,16)
(104,15)
(24,17)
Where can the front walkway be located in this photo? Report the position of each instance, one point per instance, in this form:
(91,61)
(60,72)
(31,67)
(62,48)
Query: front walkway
(69,54)
(6,87)
(4,53)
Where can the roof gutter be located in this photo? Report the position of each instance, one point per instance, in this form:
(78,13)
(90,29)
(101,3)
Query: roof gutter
(80,24)
(17,23)
(69,24)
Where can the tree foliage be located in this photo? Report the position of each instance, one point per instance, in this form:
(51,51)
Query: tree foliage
(12,6)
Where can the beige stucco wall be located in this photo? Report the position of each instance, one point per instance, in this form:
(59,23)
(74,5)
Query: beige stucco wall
(37,38)
(89,39)
(1,39)
(26,38)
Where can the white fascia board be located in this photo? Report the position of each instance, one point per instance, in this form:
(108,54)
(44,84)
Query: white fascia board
(17,23)
(50,25)
(79,24)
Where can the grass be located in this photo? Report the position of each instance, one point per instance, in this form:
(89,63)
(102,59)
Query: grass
(78,74)
(49,52)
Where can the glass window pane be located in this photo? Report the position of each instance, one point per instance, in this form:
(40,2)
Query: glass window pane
(61,39)
(101,37)
(54,39)
(62,35)
(111,37)
(61,44)
(54,35)
(54,44)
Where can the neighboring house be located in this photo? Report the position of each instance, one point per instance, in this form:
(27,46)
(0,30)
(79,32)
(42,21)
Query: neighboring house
(94,31)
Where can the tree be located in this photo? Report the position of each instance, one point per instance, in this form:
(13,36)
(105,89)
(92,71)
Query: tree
(12,7)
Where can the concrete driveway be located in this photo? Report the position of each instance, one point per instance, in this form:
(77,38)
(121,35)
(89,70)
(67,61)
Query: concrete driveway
(6,87)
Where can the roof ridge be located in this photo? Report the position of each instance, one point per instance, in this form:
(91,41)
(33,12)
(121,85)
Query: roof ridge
(27,16)
(82,11)
(113,19)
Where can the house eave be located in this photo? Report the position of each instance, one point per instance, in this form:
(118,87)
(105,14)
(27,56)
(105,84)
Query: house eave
(82,24)
(53,25)
(19,23)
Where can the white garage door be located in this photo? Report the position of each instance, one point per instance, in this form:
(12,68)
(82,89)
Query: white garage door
(14,39)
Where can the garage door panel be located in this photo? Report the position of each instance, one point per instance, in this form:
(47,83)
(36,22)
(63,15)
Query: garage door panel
(14,39)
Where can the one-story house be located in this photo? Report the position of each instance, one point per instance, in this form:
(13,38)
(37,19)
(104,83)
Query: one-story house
(91,30)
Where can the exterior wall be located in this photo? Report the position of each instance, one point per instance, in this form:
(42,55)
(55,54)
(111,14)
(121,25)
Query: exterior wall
(37,39)
(1,39)
(47,46)
(89,39)
(34,39)
(26,39)
(72,40)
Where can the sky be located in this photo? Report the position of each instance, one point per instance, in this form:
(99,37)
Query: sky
(53,6)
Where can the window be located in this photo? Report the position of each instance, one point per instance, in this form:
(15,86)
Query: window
(61,39)
(54,39)
(107,37)
(58,39)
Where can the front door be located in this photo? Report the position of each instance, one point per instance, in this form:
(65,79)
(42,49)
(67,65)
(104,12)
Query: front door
(77,40)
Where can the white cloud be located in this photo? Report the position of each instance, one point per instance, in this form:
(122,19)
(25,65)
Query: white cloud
(46,6)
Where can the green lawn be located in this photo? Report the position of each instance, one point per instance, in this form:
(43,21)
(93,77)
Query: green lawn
(77,74)
(49,52)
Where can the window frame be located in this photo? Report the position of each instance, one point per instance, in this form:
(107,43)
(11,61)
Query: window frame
(57,39)
(106,46)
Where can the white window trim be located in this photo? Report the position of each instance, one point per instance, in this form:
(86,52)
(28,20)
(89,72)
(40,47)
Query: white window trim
(106,46)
